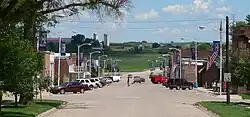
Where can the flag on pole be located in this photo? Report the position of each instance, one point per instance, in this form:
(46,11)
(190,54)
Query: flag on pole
(216,48)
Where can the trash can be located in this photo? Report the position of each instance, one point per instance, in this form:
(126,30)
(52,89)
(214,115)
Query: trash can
(195,84)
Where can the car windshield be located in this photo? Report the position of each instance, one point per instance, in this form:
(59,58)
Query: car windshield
(92,80)
(64,84)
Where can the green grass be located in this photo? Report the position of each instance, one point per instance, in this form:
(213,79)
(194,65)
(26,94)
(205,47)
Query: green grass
(132,62)
(225,110)
(245,96)
(31,110)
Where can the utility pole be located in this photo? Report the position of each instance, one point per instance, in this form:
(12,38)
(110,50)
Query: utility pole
(227,59)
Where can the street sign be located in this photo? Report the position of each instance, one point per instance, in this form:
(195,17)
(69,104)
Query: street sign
(227,77)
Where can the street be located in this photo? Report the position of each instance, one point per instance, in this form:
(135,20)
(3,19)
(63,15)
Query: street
(138,100)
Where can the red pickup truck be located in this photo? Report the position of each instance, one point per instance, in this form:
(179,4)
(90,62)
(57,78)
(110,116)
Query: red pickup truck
(158,79)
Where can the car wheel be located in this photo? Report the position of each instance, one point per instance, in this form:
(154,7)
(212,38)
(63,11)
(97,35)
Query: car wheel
(183,88)
(98,86)
(62,91)
(75,92)
(82,91)
(171,88)
(190,87)
(178,87)
(140,82)
(91,87)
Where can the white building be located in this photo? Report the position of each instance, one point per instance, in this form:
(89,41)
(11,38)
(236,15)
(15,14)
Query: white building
(106,40)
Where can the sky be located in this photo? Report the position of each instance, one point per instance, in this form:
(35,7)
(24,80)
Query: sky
(158,21)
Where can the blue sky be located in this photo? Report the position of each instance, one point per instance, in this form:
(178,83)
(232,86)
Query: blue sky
(159,21)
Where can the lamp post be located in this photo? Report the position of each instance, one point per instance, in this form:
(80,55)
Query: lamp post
(59,61)
(164,65)
(180,59)
(78,58)
(221,56)
(90,57)
(99,59)
(170,56)
(116,60)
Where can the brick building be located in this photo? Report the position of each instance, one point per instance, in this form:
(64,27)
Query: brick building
(241,42)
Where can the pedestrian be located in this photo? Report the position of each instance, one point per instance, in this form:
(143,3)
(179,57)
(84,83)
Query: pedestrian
(129,76)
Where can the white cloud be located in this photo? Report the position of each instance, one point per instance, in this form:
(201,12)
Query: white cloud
(219,15)
(176,9)
(196,6)
(223,9)
(152,14)
(170,31)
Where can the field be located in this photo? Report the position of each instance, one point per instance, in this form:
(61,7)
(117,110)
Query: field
(132,62)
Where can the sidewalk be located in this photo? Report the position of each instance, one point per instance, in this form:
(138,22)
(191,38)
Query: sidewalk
(216,94)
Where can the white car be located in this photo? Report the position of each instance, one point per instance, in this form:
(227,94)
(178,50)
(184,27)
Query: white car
(116,78)
(96,81)
(90,84)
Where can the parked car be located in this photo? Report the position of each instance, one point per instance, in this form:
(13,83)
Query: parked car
(138,79)
(158,79)
(106,80)
(69,87)
(90,84)
(96,81)
(116,78)
(179,83)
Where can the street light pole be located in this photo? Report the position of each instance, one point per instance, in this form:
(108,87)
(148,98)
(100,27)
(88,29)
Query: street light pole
(99,59)
(221,57)
(78,58)
(59,62)
(221,52)
(90,56)
(179,50)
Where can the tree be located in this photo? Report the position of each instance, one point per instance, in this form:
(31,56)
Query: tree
(155,45)
(35,13)
(20,63)
(241,73)
(248,19)
(52,46)
(205,46)
(43,84)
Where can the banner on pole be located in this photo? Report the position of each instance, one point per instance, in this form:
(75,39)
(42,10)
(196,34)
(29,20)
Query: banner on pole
(63,49)
(216,46)
(193,53)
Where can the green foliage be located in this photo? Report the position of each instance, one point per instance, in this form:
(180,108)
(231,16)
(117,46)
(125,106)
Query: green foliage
(241,72)
(155,45)
(19,64)
(205,46)
(44,83)
(248,19)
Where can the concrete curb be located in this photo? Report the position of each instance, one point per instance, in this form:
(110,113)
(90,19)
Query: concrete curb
(210,113)
(53,110)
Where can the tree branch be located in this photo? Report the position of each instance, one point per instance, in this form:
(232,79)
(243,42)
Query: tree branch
(115,6)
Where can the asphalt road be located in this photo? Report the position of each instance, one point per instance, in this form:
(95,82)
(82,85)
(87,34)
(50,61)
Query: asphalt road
(138,100)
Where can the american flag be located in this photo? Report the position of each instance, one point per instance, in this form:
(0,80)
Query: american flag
(213,56)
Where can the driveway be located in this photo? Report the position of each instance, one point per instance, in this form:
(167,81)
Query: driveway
(138,100)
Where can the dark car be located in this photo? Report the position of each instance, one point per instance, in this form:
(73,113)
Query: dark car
(179,83)
(138,79)
(69,87)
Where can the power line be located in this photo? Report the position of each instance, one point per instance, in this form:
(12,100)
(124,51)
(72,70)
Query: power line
(155,21)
